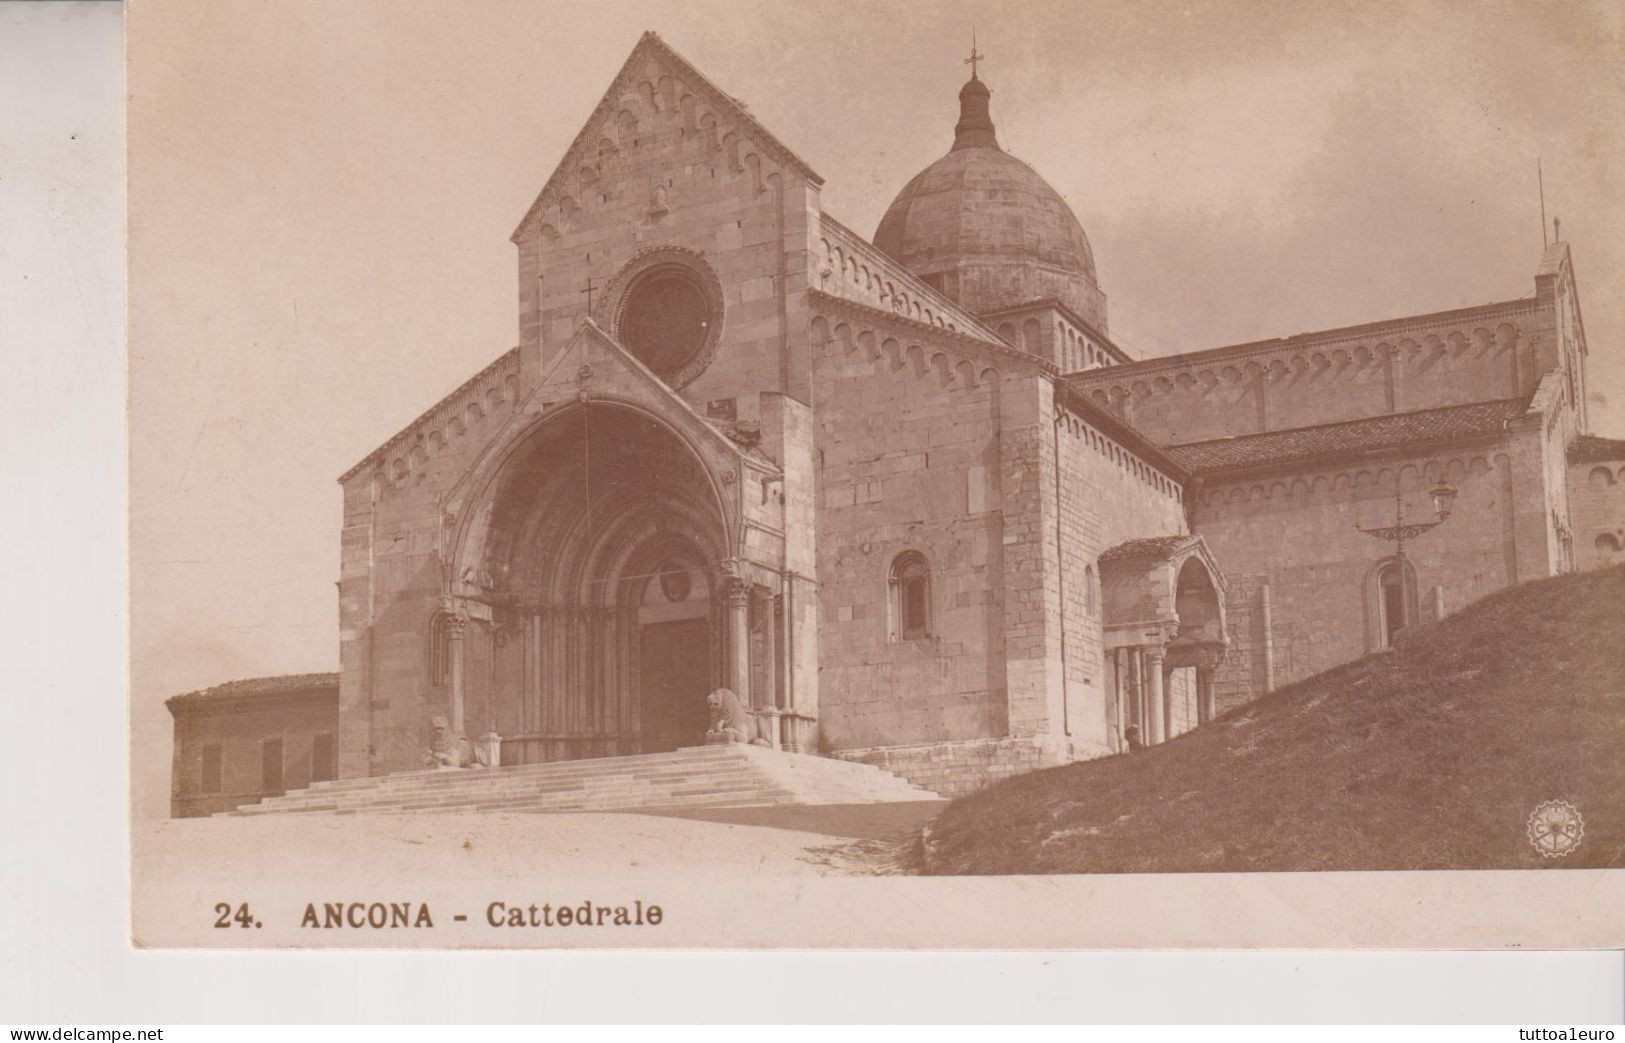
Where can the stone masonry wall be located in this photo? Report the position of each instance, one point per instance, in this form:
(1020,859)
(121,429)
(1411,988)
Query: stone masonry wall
(1290,539)
(1108,496)
(239,731)
(954,769)
(1597,506)
(907,433)
(665,164)
(390,569)
(1495,351)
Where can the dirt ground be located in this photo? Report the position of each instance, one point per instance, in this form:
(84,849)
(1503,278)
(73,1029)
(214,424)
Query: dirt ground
(788,841)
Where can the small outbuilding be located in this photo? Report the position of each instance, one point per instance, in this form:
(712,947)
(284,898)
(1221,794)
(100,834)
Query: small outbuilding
(239,742)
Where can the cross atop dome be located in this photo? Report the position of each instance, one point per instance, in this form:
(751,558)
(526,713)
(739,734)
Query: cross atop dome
(975,127)
(975,56)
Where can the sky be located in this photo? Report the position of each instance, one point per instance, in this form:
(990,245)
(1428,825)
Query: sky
(321,197)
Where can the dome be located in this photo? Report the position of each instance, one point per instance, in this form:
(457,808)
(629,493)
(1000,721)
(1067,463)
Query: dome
(986,230)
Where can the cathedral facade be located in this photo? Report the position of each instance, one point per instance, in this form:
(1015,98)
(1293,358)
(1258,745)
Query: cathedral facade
(904,495)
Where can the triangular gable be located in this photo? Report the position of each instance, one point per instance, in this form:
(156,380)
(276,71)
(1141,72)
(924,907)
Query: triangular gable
(650,47)
(1139,584)
(606,359)
(1167,551)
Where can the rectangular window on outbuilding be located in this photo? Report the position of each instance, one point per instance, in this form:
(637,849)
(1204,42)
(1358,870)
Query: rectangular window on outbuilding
(323,758)
(271,766)
(211,778)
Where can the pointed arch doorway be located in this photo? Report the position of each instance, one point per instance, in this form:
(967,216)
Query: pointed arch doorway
(601,561)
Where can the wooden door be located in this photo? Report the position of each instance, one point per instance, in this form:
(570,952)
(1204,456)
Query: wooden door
(675,663)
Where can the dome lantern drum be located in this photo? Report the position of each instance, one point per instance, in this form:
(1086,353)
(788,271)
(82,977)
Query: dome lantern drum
(986,230)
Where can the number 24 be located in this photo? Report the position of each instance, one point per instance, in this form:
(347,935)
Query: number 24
(242,917)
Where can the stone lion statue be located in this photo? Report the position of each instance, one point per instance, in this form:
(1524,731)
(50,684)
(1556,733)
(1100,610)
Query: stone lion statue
(730,720)
(449,750)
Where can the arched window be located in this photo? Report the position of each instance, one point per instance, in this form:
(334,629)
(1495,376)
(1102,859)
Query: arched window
(1089,589)
(1395,600)
(1029,336)
(438,652)
(910,596)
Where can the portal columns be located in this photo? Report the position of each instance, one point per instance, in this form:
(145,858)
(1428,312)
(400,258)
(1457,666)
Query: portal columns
(736,595)
(1156,685)
(767,699)
(455,628)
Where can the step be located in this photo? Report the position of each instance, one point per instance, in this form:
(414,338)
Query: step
(708,776)
(600,793)
(631,762)
(488,782)
(492,782)
(592,793)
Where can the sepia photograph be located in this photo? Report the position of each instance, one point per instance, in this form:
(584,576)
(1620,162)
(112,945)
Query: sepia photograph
(876,476)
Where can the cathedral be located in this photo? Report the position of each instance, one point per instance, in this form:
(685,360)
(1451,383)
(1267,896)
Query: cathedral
(904,495)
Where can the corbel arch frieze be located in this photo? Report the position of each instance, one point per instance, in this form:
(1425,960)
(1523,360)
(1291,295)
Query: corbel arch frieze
(902,351)
(1352,479)
(1303,365)
(656,91)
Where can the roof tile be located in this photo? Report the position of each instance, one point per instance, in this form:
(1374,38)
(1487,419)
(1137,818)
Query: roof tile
(1588,448)
(1348,437)
(257,686)
(1150,548)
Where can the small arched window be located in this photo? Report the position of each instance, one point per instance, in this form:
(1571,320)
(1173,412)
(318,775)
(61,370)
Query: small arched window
(1030,334)
(438,652)
(1089,602)
(1396,601)
(910,596)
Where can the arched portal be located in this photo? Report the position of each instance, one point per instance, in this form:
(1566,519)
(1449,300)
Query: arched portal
(599,551)
(1197,604)
(1164,621)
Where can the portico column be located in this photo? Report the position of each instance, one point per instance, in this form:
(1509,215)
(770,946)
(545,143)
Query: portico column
(768,715)
(738,598)
(764,619)
(1154,690)
(1204,694)
(455,625)
(1168,701)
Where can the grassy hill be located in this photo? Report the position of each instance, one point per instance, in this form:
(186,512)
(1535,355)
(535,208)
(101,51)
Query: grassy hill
(1431,756)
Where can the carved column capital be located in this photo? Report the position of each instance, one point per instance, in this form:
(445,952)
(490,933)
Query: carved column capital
(736,590)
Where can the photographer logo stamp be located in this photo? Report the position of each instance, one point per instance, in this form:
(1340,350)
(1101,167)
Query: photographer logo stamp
(1556,828)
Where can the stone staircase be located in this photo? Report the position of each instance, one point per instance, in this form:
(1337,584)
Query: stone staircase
(703,776)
